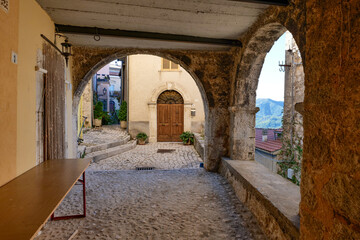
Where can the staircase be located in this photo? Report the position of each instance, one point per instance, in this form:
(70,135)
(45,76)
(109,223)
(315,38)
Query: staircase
(106,150)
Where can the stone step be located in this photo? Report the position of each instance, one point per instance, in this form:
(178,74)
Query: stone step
(105,146)
(100,155)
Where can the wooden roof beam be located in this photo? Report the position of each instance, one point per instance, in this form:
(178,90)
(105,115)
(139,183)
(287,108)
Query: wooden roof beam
(145,35)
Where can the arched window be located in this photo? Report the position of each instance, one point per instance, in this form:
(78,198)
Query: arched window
(170,97)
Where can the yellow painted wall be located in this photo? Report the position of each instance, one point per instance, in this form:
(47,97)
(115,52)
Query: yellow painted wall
(33,21)
(8,91)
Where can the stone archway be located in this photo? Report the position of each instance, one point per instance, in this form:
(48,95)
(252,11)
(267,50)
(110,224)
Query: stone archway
(211,71)
(243,109)
(112,54)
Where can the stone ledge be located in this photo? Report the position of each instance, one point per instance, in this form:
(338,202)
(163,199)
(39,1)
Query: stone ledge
(199,145)
(273,200)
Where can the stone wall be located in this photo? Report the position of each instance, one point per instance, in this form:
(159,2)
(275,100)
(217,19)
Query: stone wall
(330,186)
(88,104)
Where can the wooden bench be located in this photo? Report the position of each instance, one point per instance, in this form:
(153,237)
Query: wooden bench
(28,201)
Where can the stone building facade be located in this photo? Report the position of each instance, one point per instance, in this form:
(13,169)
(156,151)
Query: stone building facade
(148,78)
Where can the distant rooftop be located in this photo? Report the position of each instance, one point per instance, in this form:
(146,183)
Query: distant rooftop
(272,144)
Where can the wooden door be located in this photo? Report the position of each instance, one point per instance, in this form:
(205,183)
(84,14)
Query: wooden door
(170,119)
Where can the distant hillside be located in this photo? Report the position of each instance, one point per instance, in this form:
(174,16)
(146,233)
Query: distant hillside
(270,113)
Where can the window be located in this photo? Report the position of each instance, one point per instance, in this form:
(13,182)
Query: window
(168,65)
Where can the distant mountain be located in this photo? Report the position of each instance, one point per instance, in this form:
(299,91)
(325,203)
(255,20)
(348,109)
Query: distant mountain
(270,113)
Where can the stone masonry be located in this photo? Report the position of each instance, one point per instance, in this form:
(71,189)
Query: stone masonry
(327,34)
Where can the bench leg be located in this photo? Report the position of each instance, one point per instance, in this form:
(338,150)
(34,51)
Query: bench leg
(82,181)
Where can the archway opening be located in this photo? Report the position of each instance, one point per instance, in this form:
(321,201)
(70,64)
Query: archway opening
(279,131)
(150,84)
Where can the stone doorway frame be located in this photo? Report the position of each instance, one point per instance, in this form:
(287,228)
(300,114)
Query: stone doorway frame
(152,104)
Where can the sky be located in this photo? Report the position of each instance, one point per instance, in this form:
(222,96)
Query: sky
(271,81)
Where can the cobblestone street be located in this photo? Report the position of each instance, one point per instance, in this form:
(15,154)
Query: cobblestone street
(177,200)
(176,204)
(176,156)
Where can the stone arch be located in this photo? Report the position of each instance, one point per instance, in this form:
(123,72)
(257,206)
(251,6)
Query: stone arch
(83,73)
(243,109)
(97,65)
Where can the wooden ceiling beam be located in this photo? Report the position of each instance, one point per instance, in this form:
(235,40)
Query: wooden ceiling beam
(145,35)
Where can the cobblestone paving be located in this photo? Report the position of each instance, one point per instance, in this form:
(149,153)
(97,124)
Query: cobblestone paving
(177,204)
(104,134)
(183,156)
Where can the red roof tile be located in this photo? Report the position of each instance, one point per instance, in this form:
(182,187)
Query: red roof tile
(272,144)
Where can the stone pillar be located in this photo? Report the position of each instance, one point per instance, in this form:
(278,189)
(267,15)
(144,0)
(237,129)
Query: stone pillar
(288,97)
(242,132)
(216,137)
(152,122)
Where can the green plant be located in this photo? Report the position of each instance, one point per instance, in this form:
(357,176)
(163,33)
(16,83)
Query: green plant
(296,166)
(106,119)
(187,137)
(291,156)
(98,110)
(141,136)
(123,111)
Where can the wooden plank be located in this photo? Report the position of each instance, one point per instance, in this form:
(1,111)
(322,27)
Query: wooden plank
(164,123)
(27,202)
(54,106)
(177,121)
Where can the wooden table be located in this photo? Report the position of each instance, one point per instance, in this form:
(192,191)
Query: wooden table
(27,202)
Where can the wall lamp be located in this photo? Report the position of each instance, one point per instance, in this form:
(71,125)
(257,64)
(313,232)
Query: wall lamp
(66,46)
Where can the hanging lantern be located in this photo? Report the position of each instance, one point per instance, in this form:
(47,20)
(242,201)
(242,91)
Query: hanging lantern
(66,50)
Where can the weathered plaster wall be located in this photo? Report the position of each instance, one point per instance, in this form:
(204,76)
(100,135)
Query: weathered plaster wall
(212,71)
(33,21)
(330,186)
(8,91)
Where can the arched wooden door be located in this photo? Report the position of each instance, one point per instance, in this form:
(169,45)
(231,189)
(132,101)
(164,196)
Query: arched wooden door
(170,116)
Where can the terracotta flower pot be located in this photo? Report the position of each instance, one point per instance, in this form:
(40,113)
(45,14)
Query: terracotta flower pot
(123,124)
(97,122)
(141,141)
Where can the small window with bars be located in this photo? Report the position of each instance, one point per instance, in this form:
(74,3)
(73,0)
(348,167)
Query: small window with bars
(4,5)
(168,65)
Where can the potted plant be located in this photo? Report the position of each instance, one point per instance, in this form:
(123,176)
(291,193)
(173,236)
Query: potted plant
(123,114)
(141,137)
(98,114)
(187,138)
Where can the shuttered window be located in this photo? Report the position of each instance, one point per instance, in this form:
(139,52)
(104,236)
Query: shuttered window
(168,65)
